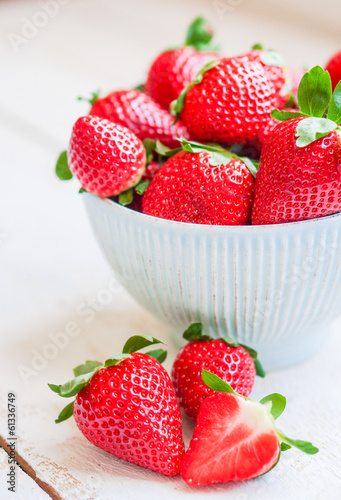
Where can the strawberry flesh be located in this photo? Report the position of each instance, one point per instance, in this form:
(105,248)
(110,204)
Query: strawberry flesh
(234,440)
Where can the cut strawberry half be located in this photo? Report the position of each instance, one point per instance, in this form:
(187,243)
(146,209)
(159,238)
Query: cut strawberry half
(235,438)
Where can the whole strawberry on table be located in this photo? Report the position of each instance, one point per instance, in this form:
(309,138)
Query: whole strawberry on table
(128,407)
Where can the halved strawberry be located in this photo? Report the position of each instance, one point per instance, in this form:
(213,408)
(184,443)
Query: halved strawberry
(235,438)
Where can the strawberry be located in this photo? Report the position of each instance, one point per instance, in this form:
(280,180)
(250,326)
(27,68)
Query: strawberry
(235,438)
(133,196)
(106,158)
(234,363)
(334,69)
(140,114)
(173,69)
(253,149)
(128,408)
(230,101)
(203,184)
(300,166)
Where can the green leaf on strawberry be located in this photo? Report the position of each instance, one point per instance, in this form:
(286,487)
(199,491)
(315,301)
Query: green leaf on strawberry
(137,342)
(87,367)
(149,146)
(314,98)
(91,100)
(216,383)
(304,446)
(285,446)
(272,58)
(159,354)
(66,413)
(311,129)
(282,115)
(63,171)
(218,154)
(73,386)
(334,111)
(314,92)
(193,332)
(116,359)
(278,404)
(126,197)
(199,35)
(141,187)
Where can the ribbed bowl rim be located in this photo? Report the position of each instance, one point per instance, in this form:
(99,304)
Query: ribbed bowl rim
(149,220)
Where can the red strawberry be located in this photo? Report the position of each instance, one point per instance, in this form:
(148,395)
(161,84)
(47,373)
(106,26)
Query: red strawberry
(173,69)
(223,357)
(151,171)
(106,158)
(140,114)
(276,72)
(202,184)
(253,149)
(231,100)
(235,438)
(300,167)
(334,68)
(128,407)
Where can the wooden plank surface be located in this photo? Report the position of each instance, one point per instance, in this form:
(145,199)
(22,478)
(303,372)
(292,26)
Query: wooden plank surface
(52,272)
(25,488)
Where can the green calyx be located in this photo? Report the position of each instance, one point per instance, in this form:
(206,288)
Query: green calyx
(218,154)
(195,332)
(127,197)
(63,171)
(94,96)
(275,404)
(62,168)
(84,373)
(199,35)
(320,108)
(177,106)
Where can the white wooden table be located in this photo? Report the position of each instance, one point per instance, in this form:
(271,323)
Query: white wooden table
(52,271)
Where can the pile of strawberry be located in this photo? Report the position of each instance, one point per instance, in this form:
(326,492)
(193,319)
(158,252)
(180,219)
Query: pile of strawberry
(129,407)
(215,140)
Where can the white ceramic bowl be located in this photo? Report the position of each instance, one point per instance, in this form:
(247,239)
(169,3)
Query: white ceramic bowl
(275,288)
